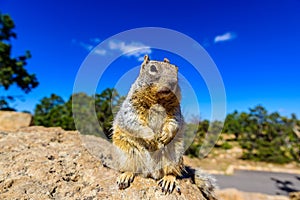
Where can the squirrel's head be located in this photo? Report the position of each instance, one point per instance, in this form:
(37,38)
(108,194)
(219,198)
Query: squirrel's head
(163,76)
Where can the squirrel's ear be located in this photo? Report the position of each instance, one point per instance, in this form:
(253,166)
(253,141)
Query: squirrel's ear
(166,60)
(146,60)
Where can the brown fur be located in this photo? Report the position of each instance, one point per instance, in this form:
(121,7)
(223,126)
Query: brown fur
(144,98)
(126,142)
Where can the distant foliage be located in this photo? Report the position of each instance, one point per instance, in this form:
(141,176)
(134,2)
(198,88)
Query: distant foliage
(265,136)
(106,105)
(53,111)
(191,140)
(12,69)
(226,145)
(195,131)
(83,109)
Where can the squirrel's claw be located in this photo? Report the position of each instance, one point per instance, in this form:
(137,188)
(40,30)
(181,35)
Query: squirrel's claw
(178,189)
(166,137)
(168,183)
(124,180)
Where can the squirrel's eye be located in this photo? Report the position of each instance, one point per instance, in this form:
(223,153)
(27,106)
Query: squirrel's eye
(153,68)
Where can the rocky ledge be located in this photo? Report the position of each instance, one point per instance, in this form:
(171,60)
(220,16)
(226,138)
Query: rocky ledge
(10,120)
(50,163)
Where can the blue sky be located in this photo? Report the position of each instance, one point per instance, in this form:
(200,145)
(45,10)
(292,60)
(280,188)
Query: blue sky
(255,45)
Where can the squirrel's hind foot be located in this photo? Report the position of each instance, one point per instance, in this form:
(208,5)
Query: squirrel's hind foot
(125,179)
(168,183)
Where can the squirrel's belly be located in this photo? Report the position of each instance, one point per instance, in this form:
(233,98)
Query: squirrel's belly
(156,118)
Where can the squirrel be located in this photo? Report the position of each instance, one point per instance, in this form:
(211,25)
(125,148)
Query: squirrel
(147,131)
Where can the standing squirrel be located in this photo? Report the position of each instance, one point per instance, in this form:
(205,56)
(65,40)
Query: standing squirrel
(148,129)
(148,132)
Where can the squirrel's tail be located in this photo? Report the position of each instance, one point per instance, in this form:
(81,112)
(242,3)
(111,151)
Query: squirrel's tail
(101,149)
(204,181)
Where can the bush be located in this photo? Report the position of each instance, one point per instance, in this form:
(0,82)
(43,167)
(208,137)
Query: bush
(226,146)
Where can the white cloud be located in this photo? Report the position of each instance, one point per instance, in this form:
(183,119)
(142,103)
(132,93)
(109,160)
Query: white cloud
(100,52)
(225,37)
(141,58)
(86,46)
(135,49)
(132,49)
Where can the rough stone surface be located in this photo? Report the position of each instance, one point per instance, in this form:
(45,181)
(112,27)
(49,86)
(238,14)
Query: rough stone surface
(295,195)
(233,194)
(50,163)
(10,120)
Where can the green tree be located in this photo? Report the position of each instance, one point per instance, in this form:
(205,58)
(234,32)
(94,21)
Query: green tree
(83,108)
(233,124)
(80,110)
(106,104)
(196,131)
(53,111)
(12,69)
(269,137)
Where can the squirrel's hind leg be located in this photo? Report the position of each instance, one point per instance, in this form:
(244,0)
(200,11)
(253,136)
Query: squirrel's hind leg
(125,179)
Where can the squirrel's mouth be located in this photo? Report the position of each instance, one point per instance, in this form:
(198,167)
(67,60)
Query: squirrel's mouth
(164,91)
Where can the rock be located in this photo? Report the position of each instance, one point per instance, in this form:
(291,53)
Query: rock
(50,163)
(228,137)
(294,196)
(234,194)
(229,170)
(10,120)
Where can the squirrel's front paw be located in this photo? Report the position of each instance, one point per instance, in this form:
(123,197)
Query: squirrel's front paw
(168,183)
(168,133)
(166,137)
(125,179)
(147,133)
